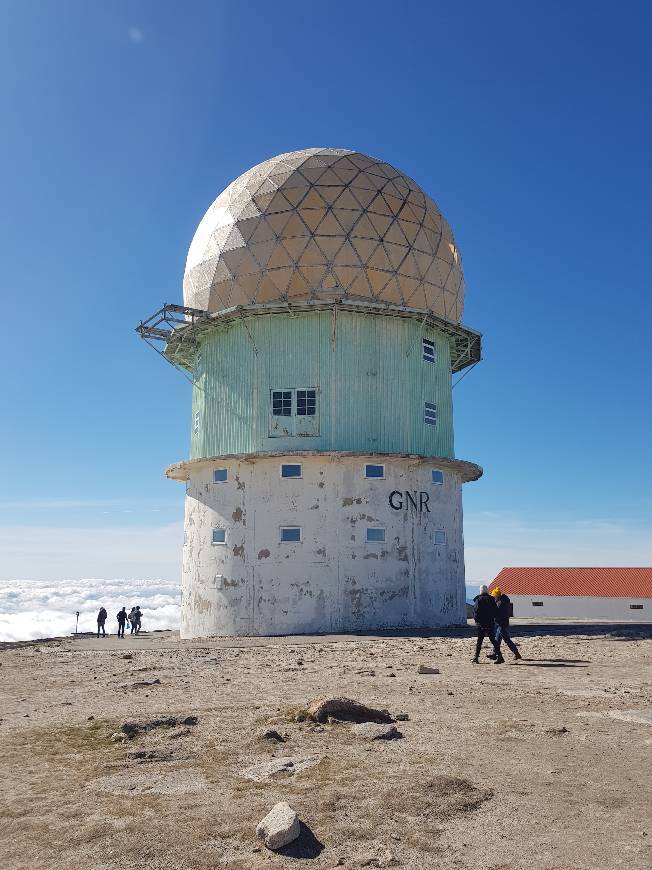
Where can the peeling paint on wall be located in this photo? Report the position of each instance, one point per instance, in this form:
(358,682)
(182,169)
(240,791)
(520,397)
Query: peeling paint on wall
(270,587)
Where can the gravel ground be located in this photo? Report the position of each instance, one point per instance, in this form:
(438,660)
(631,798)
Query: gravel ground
(542,764)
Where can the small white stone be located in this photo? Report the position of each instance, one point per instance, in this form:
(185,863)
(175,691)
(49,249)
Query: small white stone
(279,827)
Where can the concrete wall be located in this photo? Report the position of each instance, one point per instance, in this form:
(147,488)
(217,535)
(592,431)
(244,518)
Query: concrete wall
(333,580)
(583,607)
(369,373)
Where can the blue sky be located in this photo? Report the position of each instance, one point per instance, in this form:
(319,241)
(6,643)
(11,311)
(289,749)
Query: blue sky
(528,123)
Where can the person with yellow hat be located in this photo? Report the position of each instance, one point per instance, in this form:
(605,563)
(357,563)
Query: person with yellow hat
(503,612)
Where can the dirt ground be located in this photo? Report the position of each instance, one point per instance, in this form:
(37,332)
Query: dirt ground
(542,764)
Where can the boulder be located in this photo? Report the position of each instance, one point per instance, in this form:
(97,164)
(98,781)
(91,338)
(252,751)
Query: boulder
(372,731)
(344,709)
(426,669)
(272,734)
(279,827)
(133,728)
(282,767)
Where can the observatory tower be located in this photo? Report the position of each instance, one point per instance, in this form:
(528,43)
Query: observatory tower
(323,293)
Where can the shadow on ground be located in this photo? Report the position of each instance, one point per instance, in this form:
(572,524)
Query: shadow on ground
(553,663)
(305,846)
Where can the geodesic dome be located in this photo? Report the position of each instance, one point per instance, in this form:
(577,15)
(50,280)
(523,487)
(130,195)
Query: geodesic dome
(324,223)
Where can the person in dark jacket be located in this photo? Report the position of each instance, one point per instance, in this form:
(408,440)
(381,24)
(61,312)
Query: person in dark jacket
(503,612)
(132,619)
(137,618)
(122,619)
(484,614)
(101,619)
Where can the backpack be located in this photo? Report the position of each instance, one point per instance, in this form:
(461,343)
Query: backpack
(484,610)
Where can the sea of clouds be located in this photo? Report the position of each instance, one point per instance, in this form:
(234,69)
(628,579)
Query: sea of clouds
(31,609)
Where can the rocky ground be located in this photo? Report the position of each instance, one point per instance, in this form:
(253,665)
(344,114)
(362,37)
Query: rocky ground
(543,764)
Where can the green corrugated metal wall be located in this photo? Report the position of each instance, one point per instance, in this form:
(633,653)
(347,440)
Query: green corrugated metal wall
(371,385)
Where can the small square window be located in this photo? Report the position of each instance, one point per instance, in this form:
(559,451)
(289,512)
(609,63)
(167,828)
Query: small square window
(377,471)
(375,536)
(282,403)
(437,476)
(220,475)
(537,604)
(439,537)
(636,607)
(290,470)
(219,536)
(306,403)
(290,534)
(195,425)
(430,413)
(429,352)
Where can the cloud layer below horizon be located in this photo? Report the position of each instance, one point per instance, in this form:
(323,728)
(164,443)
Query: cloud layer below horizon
(31,609)
(46,607)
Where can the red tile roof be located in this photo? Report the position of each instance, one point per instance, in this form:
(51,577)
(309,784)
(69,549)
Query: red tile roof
(598,582)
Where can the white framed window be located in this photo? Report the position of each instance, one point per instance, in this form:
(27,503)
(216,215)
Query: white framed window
(537,604)
(429,351)
(290,534)
(291,470)
(220,475)
(437,476)
(306,403)
(430,413)
(375,536)
(374,471)
(282,403)
(195,422)
(294,412)
(219,536)
(439,537)
(636,607)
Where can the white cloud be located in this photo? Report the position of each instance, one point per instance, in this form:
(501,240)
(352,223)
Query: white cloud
(41,608)
(135,35)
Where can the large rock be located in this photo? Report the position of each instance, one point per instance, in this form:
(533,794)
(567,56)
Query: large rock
(426,669)
(372,731)
(280,826)
(345,710)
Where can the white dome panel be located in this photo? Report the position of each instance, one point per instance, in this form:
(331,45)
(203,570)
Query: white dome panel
(324,222)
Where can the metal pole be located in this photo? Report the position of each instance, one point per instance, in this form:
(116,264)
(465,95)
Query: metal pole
(77,622)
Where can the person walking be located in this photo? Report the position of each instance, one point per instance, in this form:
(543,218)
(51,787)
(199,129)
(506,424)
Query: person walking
(137,618)
(101,619)
(122,618)
(484,614)
(132,619)
(503,612)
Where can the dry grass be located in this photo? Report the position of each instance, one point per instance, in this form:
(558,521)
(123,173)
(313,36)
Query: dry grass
(415,799)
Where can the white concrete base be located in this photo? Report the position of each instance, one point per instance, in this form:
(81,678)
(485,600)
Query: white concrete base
(583,607)
(333,580)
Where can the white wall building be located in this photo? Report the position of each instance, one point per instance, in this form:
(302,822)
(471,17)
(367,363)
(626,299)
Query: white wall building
(618,594)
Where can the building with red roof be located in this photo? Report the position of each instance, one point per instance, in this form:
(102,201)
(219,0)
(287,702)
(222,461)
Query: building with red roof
(579,593)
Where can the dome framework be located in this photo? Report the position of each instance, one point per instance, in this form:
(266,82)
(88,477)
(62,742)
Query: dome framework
(319,224)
